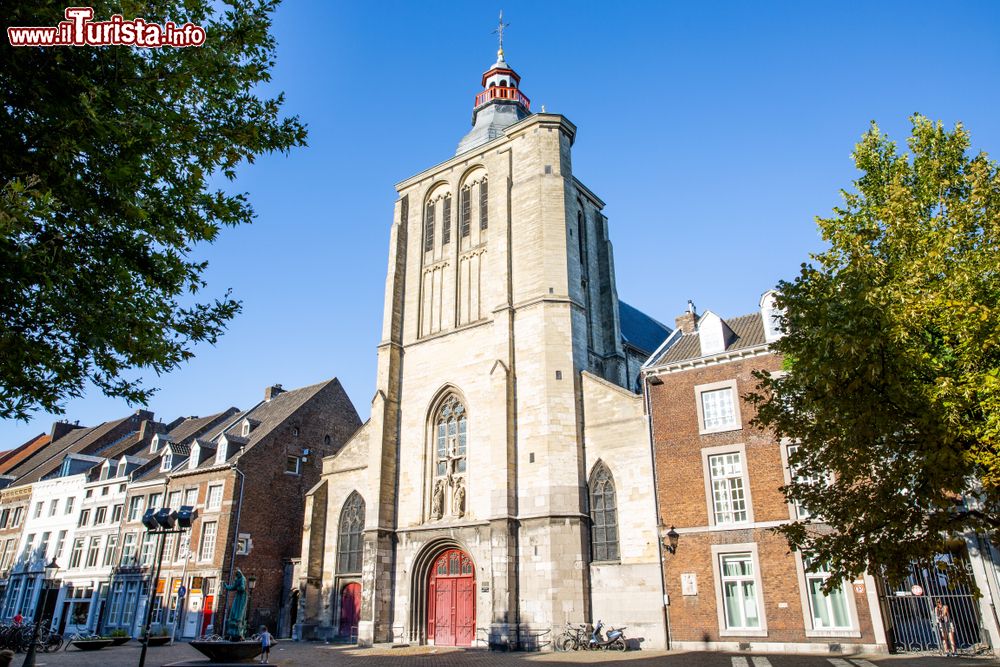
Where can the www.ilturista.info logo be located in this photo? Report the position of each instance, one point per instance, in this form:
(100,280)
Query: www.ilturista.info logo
(79,30)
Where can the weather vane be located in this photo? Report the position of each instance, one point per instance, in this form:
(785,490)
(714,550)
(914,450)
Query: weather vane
(499,32)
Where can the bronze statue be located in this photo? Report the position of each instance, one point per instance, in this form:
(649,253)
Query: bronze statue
(236,622)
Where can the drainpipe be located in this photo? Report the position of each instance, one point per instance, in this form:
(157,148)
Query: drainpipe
(656,501)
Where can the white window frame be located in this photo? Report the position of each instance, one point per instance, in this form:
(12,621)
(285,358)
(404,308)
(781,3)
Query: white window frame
(854,629)
(718,551)
(794,511)
(700,389)
(706,454)
(201,540)
(298,465)
(213,506)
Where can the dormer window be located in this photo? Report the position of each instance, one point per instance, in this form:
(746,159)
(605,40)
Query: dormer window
(154,445)
(105,470)
(168,461)
(121,468)
(220,455)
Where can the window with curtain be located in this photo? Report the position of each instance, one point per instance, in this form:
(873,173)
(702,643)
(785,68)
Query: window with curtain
(829,612)
(603,515)
(350,544)
(739,591)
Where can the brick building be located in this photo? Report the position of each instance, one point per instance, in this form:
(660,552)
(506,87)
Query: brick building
(732,582)
(247,474)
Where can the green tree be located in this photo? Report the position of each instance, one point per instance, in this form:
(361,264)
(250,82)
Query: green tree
(107,158)
(892,349)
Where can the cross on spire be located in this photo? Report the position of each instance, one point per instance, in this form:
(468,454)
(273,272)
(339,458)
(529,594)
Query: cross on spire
(499,32)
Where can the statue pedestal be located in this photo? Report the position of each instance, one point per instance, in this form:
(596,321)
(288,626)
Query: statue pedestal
(209,663)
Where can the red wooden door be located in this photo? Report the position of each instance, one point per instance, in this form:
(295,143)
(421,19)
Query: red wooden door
(206,616)
(444,612)
(451,604)
(350,609)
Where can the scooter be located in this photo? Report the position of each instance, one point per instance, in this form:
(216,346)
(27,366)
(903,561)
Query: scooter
(615,641)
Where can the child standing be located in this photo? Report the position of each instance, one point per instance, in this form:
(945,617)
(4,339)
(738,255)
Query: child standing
(266,641)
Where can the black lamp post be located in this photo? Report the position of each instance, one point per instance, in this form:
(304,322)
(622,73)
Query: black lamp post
(160,523)
(48,575)
(670,543)
(251,584)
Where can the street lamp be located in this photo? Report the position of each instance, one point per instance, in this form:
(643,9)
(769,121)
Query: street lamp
(251,584)
(48,575)
(670,543)
(160,523)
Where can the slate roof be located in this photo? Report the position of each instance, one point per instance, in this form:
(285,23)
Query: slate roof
(639,330)
(87,443)
(15,456)
(193,427)
(182,437)
(54,450)
(748,330)
(269,414)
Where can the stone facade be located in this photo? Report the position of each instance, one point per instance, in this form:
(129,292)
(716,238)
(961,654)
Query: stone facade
(499,386)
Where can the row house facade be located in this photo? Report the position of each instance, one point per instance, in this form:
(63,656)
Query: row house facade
(81,498)
(732,582)
(41,512)
(247,476)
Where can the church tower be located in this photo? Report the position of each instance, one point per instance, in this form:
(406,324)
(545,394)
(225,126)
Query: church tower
(472,474)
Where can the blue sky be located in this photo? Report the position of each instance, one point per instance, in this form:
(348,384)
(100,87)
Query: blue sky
(715,132)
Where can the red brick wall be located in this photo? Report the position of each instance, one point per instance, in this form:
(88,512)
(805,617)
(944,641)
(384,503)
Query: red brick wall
(682,501)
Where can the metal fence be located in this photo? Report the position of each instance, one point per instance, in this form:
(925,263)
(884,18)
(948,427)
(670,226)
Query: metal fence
(911,621)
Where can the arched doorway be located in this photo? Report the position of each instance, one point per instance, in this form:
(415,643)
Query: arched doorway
(350,610)
(451,599)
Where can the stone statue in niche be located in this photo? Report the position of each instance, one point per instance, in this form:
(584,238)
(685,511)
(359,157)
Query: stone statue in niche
(459,506)
(437,500)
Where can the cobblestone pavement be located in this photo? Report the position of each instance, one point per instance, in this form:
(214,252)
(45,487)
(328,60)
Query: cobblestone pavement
(291,654)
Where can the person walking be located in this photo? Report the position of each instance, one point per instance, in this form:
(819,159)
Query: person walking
(946,627)
(266,641)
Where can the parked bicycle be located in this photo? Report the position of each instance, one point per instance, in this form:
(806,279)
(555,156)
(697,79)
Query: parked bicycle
(572,637)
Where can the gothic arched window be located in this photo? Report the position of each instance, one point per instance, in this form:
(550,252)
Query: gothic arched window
(349,541)
(429,227)
(450,438)
(484,216)
(603,515)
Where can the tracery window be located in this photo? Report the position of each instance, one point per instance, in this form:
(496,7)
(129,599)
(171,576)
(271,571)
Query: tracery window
(450,449)
(451,438)
(603,515)
(349,542)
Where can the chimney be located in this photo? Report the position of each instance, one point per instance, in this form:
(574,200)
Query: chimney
(272,391)
(688,322)
(149,428)
(61,428)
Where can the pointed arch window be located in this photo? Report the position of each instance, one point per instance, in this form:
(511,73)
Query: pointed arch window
(450,459)
(465,203)
(349,543)
(603,515)
(429,227)
(484,218)
(446,220)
